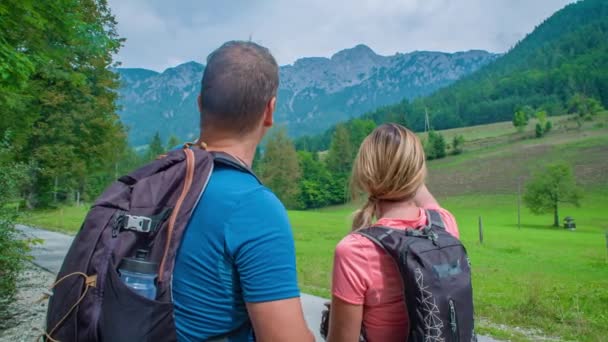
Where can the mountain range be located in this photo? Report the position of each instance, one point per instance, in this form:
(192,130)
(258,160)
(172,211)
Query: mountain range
(563,59)
(314,93)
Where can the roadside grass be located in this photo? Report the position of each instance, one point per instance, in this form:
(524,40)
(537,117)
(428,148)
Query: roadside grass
(65,219)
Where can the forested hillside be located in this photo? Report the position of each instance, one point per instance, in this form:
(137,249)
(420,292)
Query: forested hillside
(566,55)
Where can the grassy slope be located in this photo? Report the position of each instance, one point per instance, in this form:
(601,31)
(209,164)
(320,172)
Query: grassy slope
(474,135)
(538,276)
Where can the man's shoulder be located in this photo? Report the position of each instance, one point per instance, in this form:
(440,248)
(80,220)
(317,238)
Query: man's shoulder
(247,184)
(241,192)
(263,197)
(262,209)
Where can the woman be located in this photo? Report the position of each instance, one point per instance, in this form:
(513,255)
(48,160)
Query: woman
(366,288)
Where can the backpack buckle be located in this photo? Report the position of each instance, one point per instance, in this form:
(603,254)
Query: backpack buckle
(141,224)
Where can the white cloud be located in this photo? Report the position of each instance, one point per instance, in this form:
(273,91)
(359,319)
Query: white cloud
(161,34)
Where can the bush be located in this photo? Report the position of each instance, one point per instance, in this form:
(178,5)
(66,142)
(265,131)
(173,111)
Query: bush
(585,107)
(13,252)
(457,144)
(548,126)
(539,131)
(520,120)
(13,249)
(434,146)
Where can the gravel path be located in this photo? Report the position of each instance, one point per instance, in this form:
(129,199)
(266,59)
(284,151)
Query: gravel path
(26,315)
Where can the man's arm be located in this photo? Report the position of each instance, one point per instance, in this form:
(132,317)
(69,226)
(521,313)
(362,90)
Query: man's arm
(424,198)
(344,321)
(280,320)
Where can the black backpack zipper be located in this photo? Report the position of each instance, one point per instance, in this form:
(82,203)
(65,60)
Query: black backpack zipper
(453,320)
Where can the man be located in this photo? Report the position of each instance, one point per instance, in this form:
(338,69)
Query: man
(235,271)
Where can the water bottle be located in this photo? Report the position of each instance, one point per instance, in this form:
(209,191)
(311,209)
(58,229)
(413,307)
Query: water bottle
(139,274)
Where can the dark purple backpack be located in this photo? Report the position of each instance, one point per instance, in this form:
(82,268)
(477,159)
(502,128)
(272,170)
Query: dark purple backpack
(436,272)
(150,209)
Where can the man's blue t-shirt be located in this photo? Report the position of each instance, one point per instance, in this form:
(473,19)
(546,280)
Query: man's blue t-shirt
(238,248)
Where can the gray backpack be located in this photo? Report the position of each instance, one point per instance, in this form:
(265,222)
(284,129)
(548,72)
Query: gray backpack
(436,272)
(436,275)
(148,209)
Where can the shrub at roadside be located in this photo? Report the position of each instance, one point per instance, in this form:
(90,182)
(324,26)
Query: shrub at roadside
(13,250)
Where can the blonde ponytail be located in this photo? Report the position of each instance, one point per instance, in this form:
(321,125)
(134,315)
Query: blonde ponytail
(364,216)
(390,166)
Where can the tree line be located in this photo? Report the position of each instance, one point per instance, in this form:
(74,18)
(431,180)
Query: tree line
(60,137)
(58,97)
(305,178)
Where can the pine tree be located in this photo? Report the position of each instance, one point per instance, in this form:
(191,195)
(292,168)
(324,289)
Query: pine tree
(434,146)
(172,143)
(279,168)
(155,148)
(359,129)
(341,152)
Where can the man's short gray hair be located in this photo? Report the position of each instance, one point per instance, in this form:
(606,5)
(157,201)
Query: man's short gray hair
(239,80)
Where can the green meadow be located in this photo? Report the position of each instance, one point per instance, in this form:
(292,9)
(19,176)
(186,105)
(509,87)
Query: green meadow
(534,276)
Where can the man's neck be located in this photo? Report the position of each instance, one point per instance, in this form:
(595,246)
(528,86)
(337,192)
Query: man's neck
(242,149)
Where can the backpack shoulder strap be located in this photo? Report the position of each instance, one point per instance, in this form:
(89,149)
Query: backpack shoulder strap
(389,239)
(376,234)
(434,219)
(395,241)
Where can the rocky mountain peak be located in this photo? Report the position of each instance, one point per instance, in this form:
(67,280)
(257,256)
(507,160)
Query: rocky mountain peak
(314,92)
(358,53)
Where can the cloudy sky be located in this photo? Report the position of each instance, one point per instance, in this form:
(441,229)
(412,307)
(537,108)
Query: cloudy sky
(162,34)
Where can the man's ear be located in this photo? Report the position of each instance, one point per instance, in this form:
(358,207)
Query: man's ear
(269,112)
(199,101)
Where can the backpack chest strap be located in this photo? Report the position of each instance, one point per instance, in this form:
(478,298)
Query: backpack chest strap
(139,223)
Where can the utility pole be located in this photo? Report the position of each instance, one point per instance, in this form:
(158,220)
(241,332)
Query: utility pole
(607,246)
(480,231)
(519,203)
(427,123)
